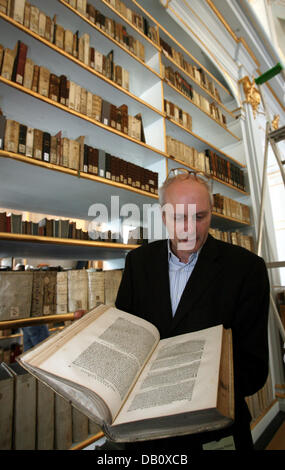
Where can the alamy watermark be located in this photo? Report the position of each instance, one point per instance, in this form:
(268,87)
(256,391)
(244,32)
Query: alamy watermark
(157,221)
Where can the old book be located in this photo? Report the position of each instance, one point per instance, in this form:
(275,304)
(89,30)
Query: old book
(28,73)
(27,15)
(63,91)
(30,142)
(46,146)
(59,36)
(65,152)
(61,293)
(112,282)
(77,290)
(68,41)
(96,288)
(101,163)
(37,294)
(42,24)
(153,389)
(74,154)
(49,293)
(11,139)
(106,112)
(35,83)
(49,29)
(22,139)
(45,417)
(18,11)
(63,423)
(54,87)
(3,6)
(8,63)
(79,426)
(34,19)
(2,129)
(44,77)
(19,63)
(24,409)
(38,144)
(6,407)
(96,107)
(98,61)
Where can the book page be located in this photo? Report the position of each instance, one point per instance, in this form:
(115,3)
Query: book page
(106,356)
(182,376)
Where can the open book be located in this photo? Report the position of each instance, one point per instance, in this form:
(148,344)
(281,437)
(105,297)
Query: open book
(114,368)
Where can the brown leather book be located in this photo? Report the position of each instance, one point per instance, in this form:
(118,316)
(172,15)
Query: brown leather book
(35,83)
(30,142)
(96,107)
(2,129)
(44,76)
(38,144)
(42,24)
(22,139)
(46,146)
(59,36)
(54,86)
(83,101)
(63,89)
(53,150)
(118,75)
(113,116)
(3,221)
(18,9)
(48,29)
(124,113)
(4,6)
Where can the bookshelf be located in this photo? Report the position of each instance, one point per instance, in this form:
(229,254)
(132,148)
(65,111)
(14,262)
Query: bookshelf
(42,187)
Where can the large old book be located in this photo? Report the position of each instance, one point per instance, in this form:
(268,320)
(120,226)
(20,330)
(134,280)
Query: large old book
(6,407)
(114,368)
(15,294)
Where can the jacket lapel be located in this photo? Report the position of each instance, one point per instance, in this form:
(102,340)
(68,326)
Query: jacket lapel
(203,275)
(162,315)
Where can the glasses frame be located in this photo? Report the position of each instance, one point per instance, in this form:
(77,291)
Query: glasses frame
(205,177)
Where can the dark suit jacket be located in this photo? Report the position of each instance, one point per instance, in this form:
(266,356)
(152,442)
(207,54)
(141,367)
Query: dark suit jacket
(229,285)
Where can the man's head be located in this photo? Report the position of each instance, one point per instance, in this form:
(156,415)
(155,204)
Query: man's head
(186,202)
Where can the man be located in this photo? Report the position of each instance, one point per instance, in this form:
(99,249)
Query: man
(192,282)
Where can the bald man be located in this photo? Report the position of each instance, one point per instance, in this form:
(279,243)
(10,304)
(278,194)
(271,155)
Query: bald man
(192,281)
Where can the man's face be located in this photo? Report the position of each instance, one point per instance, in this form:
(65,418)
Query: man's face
(187,215)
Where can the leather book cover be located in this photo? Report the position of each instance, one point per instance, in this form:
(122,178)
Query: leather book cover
(54,87)
(11,139)
(44,76)
(19,63)
(2,129)
(108,166)
(65,151)
(4,6)
(35,83)
(125,124)
(62,89)
(42,24)
(34,19)
(85,159)
(77,99)
(75,44)
(53,150)
(48,29)
(98,61)
(27,14)
(28,73)
(3,221)
(59,36)
(125,79)
(86,48)
(74,154)
(102,163)
(118,75)
(18,11)
(46,146)
(8,63)
(113,116)
(22,139)
(30,142)
(83,101)
(92,57)
(38,144)
(106,110)
(68,41)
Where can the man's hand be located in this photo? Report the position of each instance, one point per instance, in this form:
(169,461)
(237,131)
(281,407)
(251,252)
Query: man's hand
(79,313)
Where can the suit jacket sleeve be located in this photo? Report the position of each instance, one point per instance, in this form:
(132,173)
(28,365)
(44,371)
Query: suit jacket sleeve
(250,331)
(124,300)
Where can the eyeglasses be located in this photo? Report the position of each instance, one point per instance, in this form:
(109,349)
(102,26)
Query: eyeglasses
(199,175)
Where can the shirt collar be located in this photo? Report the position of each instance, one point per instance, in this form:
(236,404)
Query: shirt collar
(171,255)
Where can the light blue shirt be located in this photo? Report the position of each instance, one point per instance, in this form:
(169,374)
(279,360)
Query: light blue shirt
(179,274)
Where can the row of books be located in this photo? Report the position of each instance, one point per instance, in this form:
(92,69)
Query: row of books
(62,90)
(177,114)
(63,228)
(9,353)
(138,20)
(75,154)
(25,294)
(38,22)
(72,43)
(176,79)
(33,417)
(197,73)
(231,208)
(207,161)
(235,238)
(112,28)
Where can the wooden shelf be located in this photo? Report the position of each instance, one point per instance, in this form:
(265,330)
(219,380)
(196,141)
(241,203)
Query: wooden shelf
(30,321)
(79,174)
